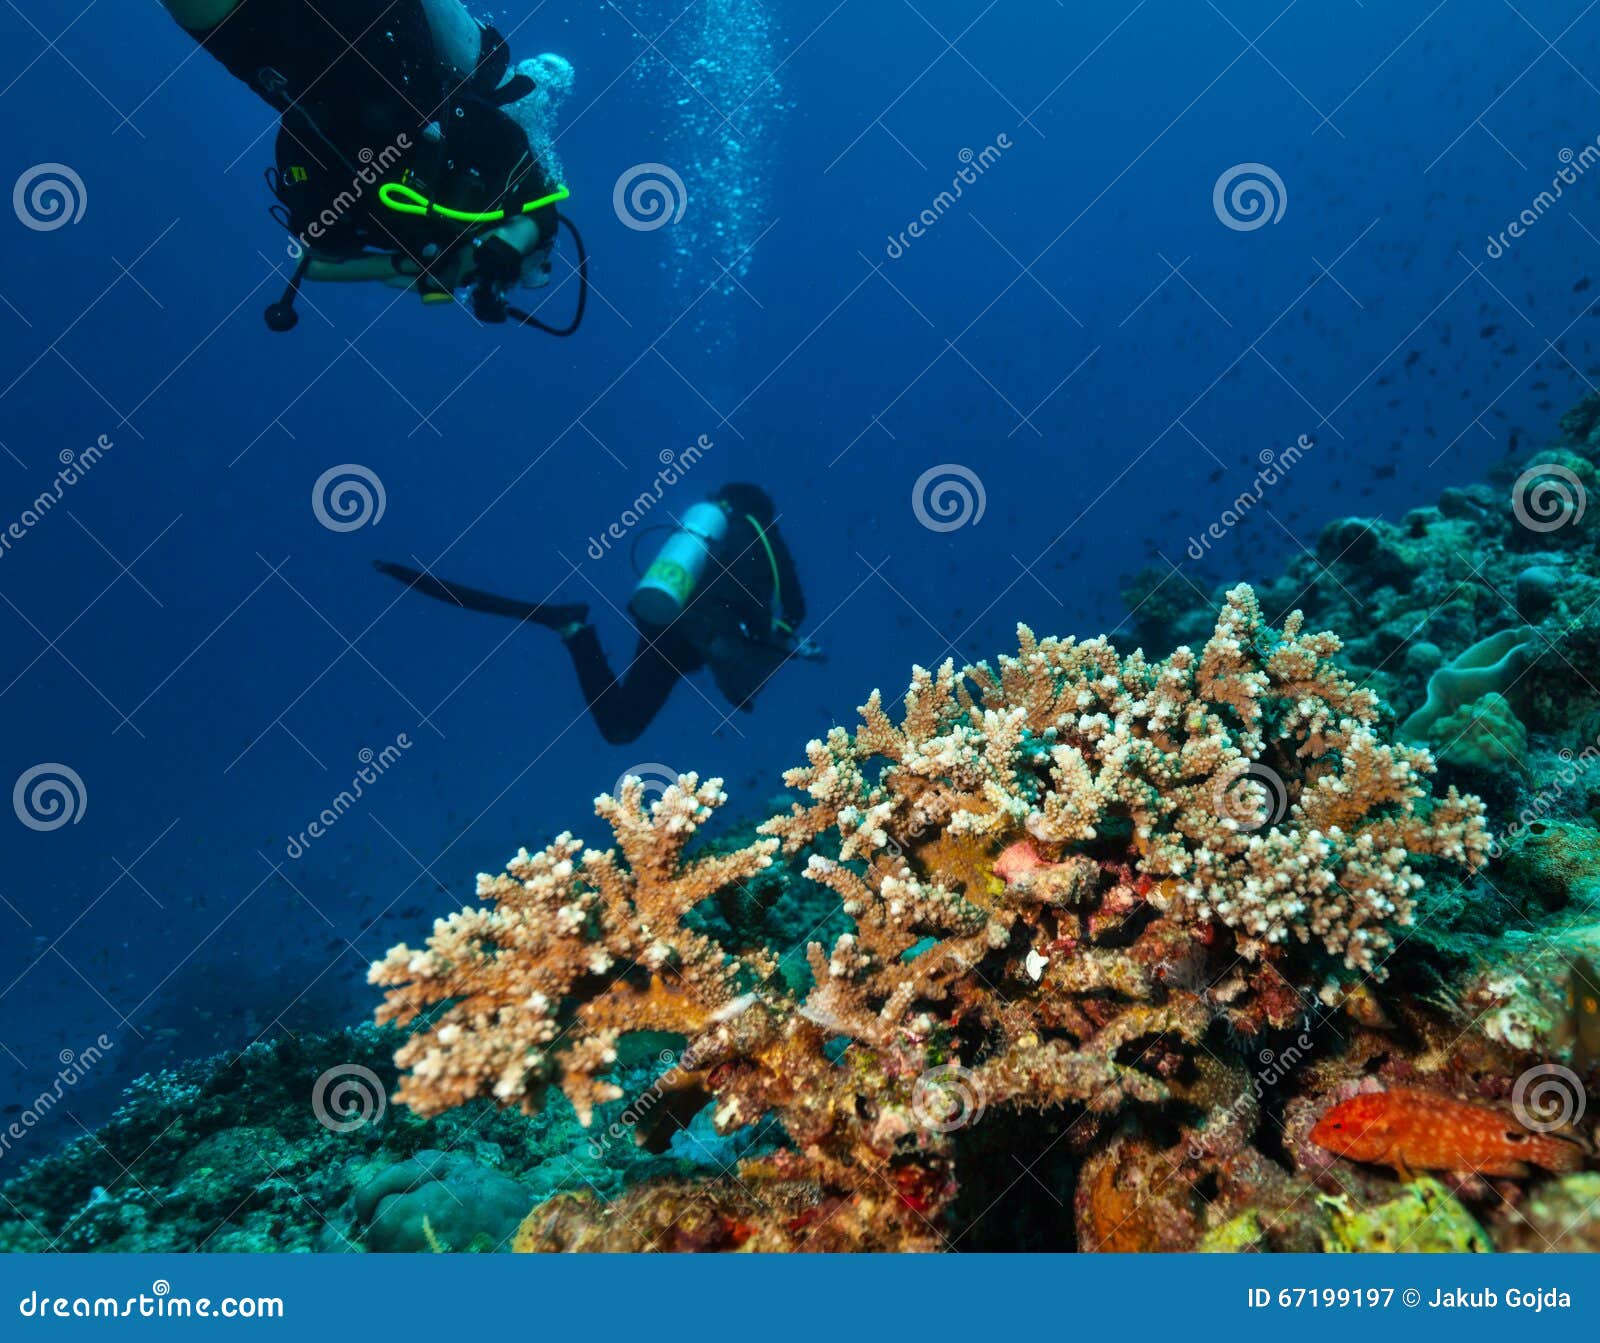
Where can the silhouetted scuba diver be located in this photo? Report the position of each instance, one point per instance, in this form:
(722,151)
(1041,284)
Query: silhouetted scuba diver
(403,151)
(722,593)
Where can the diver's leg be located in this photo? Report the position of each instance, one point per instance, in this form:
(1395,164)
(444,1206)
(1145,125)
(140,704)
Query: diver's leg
(555,616)
(456,34)
(621,708)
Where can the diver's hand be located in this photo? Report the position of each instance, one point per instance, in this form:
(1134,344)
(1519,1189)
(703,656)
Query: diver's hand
(496,263)
(809,650)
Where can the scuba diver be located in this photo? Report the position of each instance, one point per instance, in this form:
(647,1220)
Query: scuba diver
(721,593)
(419,100)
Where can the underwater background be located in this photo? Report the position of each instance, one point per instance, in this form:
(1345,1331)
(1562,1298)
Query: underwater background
(1100,342)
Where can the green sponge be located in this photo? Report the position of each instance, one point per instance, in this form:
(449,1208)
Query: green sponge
(1490,665)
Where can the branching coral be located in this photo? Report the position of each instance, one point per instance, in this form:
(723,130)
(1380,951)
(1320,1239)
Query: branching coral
(568,925)
(1061,871)
(1252,779)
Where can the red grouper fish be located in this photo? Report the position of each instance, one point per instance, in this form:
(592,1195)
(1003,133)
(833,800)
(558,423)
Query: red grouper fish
(1418,1130)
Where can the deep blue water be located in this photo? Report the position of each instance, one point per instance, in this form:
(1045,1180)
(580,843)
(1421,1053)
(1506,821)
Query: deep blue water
(1080,330)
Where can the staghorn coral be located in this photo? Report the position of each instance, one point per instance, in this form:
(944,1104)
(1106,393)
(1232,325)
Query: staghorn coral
(1251,776)
(605,934)
(1064,875)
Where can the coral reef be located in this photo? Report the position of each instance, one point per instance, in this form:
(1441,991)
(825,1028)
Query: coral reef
(1423,1217)
(1076,882)
(1495,587)
(235,1154)
(1071,951)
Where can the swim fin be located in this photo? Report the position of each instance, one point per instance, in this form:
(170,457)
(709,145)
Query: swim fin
(554,615)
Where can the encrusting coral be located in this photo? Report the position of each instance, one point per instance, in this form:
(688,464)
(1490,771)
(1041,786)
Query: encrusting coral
(1078,879)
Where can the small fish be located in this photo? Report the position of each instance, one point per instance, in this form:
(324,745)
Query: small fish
(1419,1130)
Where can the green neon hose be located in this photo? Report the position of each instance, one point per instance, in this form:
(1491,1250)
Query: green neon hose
(777,583)
(406,200)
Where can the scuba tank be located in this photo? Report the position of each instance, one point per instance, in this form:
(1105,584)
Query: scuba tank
(670,581)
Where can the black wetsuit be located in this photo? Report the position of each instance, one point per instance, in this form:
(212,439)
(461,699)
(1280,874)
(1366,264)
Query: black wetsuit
(357,82)
(729,626)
